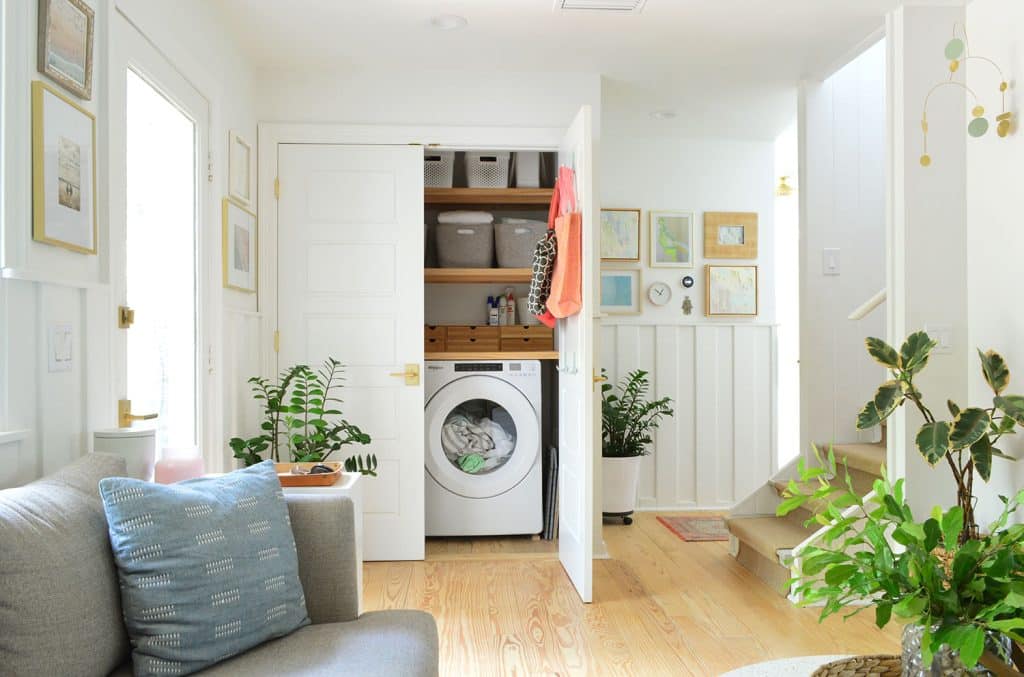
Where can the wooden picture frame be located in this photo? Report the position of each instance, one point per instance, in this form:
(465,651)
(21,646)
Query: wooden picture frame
(65,44)
(620,235)
(239,247)
(239,168)
(730,235)
(63,172)
(617,300)
(731,291)
(671,239)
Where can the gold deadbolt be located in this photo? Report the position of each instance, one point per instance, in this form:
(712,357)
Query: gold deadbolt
(125,317)
(125,415)
(411,374)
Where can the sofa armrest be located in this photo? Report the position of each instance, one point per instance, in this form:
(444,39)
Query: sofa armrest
(325,536)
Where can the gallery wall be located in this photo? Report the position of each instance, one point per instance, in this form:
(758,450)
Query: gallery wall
(719,372)
(46,418)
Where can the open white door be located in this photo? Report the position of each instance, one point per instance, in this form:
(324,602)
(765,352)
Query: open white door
(578,396)
(350,286)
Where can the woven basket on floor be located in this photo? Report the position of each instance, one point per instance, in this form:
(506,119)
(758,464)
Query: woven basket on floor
(862,666)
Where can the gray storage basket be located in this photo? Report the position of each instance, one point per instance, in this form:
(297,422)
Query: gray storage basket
(463,246)
(515,243)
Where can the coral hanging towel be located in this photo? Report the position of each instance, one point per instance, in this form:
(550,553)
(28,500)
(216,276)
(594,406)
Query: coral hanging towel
(566,296)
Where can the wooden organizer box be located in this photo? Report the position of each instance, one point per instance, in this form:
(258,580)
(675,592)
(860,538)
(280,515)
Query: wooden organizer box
(472,339)
(519,339)
(435,339)
(526,338)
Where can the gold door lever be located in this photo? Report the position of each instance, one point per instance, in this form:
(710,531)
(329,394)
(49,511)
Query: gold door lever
(598,379)
(411,374)
(125,415)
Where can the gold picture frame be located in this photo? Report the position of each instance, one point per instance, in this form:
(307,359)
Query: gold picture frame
(65,44)
(621,235)
(240,259)
(730,235)
(239,168)
(617,300)
(731,291)
(63,209)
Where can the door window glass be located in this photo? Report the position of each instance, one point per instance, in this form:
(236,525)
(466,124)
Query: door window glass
(478,436)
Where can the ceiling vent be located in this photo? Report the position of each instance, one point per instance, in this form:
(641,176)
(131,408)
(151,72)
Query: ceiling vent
(612,6)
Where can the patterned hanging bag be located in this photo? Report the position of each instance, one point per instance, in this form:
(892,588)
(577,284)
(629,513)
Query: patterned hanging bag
(544,256)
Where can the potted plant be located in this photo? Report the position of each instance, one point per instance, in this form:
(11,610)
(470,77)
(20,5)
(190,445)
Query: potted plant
(301,415)
(628,419)
(960,591)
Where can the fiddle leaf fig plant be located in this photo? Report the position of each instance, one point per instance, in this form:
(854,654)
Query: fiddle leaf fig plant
(301,415)
(967,439)
(628,419)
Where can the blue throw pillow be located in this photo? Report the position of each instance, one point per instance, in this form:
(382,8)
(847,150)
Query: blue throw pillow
(208,567)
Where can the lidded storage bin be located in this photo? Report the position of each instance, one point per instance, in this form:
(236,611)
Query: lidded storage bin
(465,246)
(487,170)
(438,168)
(516,241)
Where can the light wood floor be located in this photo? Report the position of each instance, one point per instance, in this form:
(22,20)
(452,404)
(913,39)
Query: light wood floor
(662,607)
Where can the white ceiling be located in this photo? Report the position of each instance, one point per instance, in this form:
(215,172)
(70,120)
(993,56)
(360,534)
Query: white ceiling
(728,67)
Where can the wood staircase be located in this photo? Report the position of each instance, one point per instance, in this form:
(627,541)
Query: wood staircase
(762,542)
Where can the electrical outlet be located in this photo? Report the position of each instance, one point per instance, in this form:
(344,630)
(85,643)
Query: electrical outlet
(829,261)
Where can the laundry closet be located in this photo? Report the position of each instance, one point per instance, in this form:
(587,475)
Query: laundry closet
(368,264)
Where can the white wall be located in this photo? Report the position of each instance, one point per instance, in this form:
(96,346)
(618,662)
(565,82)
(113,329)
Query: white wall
(42,284)
(927,264)
(842,193)
(720,445)
(995,240)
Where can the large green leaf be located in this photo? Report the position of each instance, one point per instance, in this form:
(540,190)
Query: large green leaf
(915,350)
(1012,406)
(933,441)
(868,417)
(969,640)
(969,427)
(952,525)
(994,368)
(883,612)
(981,452)
(883,352)
(888,397)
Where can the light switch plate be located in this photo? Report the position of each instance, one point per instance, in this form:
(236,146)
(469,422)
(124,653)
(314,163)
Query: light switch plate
(59,347)
(829,261)
(943,333)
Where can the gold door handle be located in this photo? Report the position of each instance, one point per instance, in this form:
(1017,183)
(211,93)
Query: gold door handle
(411,374)
(125,415)
(597,379)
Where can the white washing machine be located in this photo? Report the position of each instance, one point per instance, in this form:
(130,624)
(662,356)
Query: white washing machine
(483,448)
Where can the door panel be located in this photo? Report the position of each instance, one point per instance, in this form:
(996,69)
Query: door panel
(578,404)
(350,286)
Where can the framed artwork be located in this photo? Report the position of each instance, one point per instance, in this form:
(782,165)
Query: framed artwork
(620,292)
(240,242)
(730,235)
(671,239)
(239,168)
(620,235)
(731,291)
(65,44)
(63,171)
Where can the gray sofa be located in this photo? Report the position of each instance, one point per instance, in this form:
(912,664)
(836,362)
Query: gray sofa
(60,610)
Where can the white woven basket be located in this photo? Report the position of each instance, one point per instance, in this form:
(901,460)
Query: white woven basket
(487,170)
(438,168)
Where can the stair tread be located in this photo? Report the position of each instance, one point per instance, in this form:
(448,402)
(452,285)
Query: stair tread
(863,456)
(767,534)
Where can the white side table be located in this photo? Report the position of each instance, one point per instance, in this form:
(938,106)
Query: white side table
(349,485)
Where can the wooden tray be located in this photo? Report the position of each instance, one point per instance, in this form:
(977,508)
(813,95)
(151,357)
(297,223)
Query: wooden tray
(284,474)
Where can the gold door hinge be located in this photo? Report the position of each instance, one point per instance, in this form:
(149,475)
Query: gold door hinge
(277,341)
(277,188)
(125,317)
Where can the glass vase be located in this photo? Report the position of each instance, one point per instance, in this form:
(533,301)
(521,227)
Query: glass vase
(945,662)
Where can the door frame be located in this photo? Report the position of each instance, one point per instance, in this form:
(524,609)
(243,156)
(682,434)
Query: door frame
(207,239)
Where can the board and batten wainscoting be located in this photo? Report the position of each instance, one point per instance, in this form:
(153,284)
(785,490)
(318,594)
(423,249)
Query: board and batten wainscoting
(720,445)
(248,352)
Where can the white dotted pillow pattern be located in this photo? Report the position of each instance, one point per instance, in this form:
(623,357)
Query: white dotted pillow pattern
(208,567)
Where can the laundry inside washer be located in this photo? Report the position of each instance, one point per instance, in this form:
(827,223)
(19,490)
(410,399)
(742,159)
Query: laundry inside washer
(478,436)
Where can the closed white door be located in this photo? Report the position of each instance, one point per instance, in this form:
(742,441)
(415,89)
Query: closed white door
(350,286)
(578,433)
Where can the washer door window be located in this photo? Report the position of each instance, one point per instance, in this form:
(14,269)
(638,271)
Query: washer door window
(483,437)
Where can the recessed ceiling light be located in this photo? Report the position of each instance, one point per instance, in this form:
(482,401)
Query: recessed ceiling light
(448,22)
(663,114)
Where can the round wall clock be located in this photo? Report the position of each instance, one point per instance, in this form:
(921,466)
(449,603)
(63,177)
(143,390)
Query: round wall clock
(659,293)
(687,281)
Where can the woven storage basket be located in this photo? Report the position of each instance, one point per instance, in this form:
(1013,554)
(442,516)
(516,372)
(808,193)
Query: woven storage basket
(487,170)
(862,666)
(438,168)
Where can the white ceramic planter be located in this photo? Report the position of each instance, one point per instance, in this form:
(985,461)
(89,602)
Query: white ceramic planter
(619,478)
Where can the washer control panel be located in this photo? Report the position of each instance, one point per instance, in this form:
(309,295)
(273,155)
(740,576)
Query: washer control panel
(511,368)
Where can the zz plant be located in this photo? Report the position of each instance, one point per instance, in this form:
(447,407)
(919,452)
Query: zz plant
(628,419)
(301,415)
(967,439)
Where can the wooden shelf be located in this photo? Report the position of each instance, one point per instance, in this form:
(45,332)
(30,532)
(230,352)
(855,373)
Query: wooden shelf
(536,355)
(487,196)
(477,275)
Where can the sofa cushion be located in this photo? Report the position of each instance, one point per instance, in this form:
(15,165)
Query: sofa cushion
(378,644)
(208,567)
(60,612)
